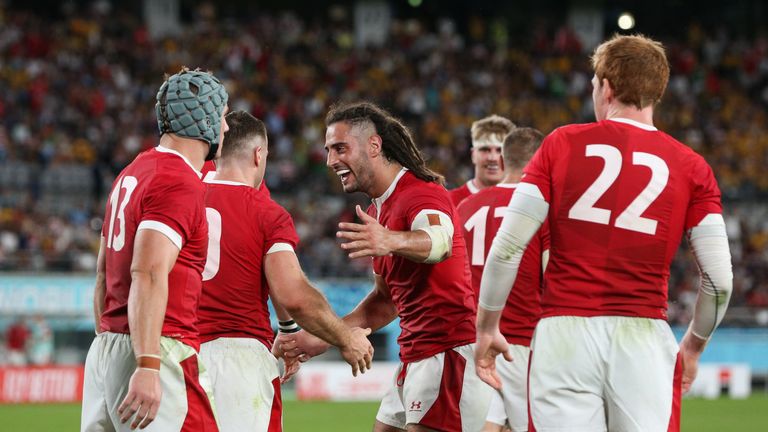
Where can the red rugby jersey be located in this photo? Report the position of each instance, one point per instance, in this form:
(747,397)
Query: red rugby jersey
(481,216)
(159,190)
(621,193)
(463,191)
(244,223)
(435,302)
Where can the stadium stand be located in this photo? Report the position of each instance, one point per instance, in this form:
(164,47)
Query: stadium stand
(76,84)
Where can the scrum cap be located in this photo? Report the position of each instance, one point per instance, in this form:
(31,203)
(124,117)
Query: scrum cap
(190,104)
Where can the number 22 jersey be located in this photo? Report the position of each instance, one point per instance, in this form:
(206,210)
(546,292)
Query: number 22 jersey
(620,195)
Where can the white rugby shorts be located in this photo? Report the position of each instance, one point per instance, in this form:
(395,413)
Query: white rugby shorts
(246,384)
(606,372)
(510,405)
(186,403)
(441,392)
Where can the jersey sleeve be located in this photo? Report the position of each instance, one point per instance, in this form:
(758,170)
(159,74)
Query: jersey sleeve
(279,228)
(705,194)
(426,198)
(538,172)
(173,207)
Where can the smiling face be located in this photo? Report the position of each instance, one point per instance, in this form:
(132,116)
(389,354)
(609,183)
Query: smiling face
(489,169)
(347,148)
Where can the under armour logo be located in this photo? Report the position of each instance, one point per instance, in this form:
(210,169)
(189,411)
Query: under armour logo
(415,406)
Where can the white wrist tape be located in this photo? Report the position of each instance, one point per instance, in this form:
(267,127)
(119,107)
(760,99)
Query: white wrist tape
(709,243)
(439,227)
(524,217)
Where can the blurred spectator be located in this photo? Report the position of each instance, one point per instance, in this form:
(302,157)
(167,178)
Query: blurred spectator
(16,339)
(40,344)
(72,114)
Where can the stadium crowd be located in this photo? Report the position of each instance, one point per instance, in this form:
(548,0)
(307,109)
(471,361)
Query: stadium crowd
(75,91)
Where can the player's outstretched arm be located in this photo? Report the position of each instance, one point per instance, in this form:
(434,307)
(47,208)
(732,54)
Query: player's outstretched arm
(709,243)
(291,288)
(100,286)
(153,258)
(430,239)
(376,310)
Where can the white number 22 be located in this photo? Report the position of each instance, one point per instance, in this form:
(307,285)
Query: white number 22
(584,208)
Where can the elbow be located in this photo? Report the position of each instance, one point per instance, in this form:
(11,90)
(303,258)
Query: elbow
(441,245)
(144,277)
(295,307)
(719,287)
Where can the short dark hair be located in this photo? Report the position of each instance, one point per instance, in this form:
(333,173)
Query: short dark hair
(397,142)
(520,146)
(243,128)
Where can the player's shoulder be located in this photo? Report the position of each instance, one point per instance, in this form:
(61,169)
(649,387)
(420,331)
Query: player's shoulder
(570,130)
(265,207)
(164,176)
(411,185)
(684,151)
(478,198)
(459,190)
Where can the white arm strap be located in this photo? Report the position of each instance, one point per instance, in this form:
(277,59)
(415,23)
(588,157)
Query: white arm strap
(524,217)
(709,243)
(440,231)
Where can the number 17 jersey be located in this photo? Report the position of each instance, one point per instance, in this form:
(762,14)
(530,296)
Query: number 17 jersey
(620,195)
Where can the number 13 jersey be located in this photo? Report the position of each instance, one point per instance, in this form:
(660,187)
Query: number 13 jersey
(620,195)
(160,190)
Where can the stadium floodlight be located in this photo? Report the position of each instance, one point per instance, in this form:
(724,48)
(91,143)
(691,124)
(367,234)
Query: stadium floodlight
(626,21)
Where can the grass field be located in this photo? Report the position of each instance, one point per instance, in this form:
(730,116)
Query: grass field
(698,416)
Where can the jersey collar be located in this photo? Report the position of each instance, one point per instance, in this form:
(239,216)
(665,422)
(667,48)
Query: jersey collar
(380,200)
(471,186)
(224,182)
(507,185)
(634,123)
(162,149)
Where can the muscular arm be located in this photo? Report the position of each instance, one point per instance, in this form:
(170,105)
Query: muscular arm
(376,310)
(310,309)
(153,258)
(413,245)
(100,286)
(709,243)
(291,289)
(430,239)
(280,311)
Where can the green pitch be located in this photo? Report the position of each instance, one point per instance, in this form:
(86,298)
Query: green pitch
(698,416)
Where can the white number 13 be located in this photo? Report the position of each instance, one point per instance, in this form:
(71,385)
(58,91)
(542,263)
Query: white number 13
(584,208)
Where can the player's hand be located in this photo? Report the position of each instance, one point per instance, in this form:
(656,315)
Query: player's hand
(302,346)
(691,348)
(283,342)
(143,398)
(690,369)
(487,347)
(358,351)
(367,239)
(290,366)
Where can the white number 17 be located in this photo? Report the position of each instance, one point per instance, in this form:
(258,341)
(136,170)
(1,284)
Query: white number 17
(584,208)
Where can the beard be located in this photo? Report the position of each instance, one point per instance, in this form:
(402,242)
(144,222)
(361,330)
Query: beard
(360,177)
